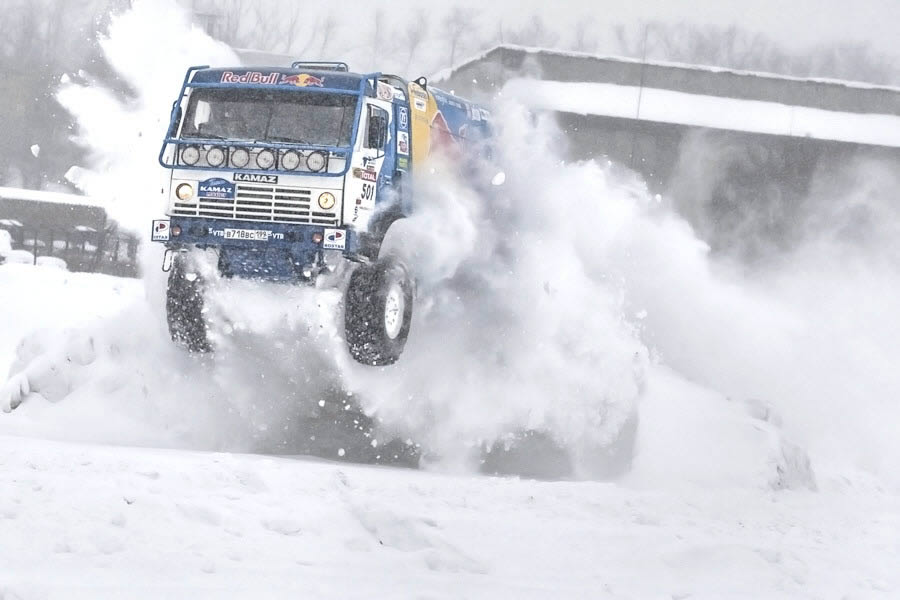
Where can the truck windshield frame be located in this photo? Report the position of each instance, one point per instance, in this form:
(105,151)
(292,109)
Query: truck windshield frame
(270,116)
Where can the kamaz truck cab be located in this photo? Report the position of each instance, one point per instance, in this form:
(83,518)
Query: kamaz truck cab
(280,170)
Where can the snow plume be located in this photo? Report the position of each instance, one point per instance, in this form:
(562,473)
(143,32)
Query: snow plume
(518,326)
(817,312)
(149,47)
(549,304)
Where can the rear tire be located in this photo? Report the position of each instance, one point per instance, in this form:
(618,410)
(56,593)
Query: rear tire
(378,312)
(184,308)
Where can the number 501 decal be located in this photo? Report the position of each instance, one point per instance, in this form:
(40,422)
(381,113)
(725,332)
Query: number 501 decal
(368,191)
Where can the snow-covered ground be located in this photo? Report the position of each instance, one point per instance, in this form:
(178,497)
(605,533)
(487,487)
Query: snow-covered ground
(88,521)
(702,513)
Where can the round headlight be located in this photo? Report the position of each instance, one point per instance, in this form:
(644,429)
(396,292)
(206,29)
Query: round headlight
(215,157)
(190,155)
(184,192)
(240,157)
(290,160)
(265,159)
(315,162)
(326,201)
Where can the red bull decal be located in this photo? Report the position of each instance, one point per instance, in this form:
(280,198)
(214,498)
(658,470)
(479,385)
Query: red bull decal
(251,77)
(302,80)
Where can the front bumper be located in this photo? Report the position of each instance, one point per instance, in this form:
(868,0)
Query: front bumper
(279,251)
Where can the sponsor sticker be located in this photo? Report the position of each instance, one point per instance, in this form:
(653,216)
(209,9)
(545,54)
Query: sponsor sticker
(419,104)
(256,178)
(365,174)
(384,91)
(302,80)
(402,163)
(335,239)
(403,117)
(215,188)
(251,77)
(403,143)
(160,232)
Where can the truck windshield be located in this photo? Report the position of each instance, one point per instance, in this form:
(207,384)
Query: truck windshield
(289,116)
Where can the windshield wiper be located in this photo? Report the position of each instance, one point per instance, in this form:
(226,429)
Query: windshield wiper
(200,135)
(287,140)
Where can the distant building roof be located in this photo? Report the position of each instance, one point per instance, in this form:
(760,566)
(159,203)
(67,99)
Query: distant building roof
(689,95)
(50,197)
(513,54)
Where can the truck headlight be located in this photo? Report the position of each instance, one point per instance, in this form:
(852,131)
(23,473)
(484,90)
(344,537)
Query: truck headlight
(184,192)
(315,162)
(290,160)
(240,157)
(215,157)
(265,159)
(190,155)
(326,201)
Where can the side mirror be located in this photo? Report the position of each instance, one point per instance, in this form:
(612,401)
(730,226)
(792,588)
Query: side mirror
(377,134)
(175,121)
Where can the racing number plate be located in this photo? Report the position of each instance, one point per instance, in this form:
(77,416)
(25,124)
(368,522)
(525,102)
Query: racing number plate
(260,235)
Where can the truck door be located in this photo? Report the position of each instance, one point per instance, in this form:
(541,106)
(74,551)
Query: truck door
(371,169)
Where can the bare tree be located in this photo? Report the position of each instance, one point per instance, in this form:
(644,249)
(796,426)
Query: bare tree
(737,48)
(412,38)
(326,32)
(234,16)
(43,39)
(534,33)
(377,33)
(459,26)
(584,37)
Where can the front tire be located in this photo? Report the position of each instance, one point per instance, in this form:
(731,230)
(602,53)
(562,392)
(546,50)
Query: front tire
(184,308)
(378,312)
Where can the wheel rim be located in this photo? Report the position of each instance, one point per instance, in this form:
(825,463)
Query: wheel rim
(394,306)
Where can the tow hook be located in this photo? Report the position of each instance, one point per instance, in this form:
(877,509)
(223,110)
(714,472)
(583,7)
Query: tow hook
(168,259)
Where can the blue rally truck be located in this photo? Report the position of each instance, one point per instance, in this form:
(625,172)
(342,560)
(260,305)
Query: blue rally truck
(283,172)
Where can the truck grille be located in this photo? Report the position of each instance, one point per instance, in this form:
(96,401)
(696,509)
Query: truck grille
(255,202)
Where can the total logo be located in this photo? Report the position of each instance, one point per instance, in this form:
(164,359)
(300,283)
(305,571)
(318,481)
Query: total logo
(334,239)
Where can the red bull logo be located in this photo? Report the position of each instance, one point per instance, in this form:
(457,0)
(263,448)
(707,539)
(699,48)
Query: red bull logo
(302,80)
(250,77)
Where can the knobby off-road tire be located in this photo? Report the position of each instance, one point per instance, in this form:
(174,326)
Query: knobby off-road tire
(184,308)
(378,311)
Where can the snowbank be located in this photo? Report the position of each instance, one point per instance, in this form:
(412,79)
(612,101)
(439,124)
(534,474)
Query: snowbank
(54,300)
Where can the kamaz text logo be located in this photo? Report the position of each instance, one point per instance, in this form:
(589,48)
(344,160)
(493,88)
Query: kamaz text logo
(256,178)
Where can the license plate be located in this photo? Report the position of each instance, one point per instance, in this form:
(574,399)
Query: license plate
(259,235)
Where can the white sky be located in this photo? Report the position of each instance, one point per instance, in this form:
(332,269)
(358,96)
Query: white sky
(792,22)
(796,23)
